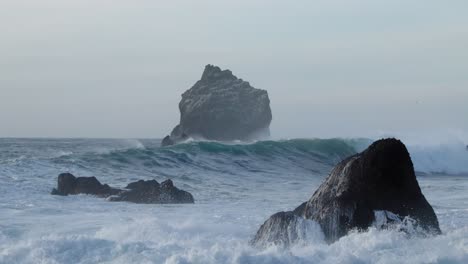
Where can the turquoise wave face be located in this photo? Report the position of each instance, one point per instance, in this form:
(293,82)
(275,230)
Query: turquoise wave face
(323,147)
(208,155)
(120,158)
(236,187)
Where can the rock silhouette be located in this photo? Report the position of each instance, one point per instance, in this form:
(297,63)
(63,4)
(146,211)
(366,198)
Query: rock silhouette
(149,192)
(380,179)
(222,107)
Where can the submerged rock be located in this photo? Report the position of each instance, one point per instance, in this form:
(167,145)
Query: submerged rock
(381,178)
(222,107)
(149,192)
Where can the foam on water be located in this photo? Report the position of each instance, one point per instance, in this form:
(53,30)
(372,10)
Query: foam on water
(236,187)
(122,237)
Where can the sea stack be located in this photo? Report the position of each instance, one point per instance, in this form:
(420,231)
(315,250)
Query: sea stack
(377,184)
(222,107)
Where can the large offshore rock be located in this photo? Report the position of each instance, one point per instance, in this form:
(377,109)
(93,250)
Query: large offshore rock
(222,107)
(148,192)
(380,179)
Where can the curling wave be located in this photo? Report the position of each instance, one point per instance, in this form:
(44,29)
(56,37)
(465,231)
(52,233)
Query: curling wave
(261,155)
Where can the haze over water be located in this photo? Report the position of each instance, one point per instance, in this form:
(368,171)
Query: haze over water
(332,68)
(90,87)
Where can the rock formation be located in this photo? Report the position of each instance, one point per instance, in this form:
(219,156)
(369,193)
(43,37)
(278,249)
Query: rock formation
(380,179)
(67,184)
(135,192)
(222,107)
(153,192)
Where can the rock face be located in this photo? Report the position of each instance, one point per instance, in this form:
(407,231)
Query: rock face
(380,179)
(222,107)
(285,228)
(149,192)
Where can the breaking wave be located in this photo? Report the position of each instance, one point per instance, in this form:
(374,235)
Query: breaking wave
(236,187)
(305,153)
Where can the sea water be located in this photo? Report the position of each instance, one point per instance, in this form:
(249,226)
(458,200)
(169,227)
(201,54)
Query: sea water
(236,188)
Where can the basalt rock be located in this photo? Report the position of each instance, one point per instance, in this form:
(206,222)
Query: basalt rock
(380,181)
(152,192)
(69,184)
(167,141)
(222,107)
(148,192)
(285,228)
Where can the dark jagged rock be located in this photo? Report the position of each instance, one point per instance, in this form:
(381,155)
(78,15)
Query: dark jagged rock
(137,192)
(153,192)
(69,184)
(381,178)
(167,141)
(222,107)
(170,194)
(141,184)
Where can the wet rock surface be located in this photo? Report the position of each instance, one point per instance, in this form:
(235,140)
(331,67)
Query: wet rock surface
(381,178)
(149,192)
(67,184)
(153,192)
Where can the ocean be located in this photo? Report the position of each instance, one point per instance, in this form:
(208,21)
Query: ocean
(236,187)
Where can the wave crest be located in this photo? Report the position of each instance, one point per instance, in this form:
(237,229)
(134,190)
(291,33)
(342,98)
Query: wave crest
(311,154)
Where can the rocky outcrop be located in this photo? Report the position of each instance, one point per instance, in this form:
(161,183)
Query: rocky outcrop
(67,184)
(149,192)
(153,192)
(222,107)
(360,188)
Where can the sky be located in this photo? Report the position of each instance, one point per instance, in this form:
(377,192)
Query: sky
(332,68)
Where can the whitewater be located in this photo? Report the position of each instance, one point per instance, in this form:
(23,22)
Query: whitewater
(236,187)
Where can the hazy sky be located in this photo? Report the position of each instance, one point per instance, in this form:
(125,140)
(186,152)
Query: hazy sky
(96,68)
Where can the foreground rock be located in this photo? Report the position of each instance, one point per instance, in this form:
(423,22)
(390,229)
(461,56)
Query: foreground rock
(378,183)
(136,192)
(222,107)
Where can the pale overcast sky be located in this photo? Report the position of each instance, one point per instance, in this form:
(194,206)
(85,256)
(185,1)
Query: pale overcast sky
(97,68)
